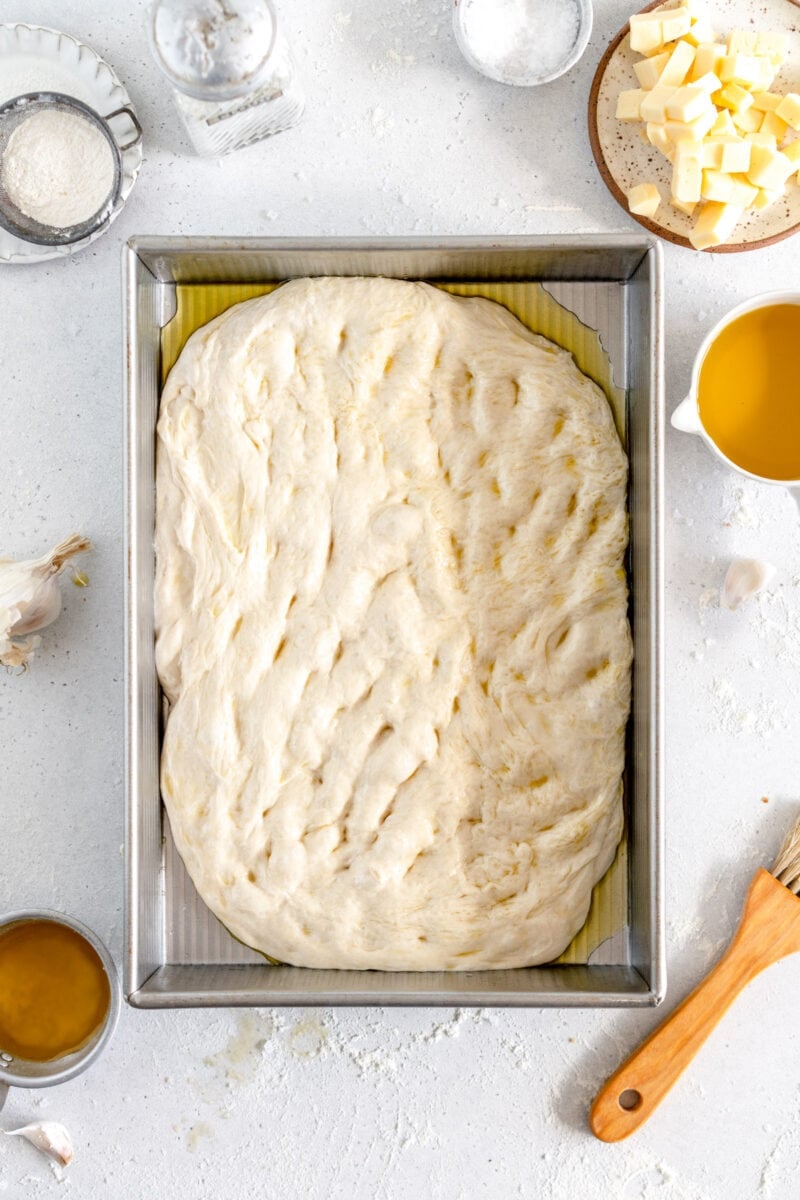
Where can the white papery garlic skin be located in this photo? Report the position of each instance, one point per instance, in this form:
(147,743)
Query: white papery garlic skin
(49,1137)
(30,599)
(745,577)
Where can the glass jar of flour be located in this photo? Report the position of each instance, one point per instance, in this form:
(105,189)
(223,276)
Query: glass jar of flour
(231,69)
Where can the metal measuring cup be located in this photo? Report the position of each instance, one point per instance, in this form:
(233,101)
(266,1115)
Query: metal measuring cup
(13,113)
(20,1072)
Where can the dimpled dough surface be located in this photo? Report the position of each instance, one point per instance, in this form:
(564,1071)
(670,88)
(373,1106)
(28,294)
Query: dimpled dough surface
(391,625)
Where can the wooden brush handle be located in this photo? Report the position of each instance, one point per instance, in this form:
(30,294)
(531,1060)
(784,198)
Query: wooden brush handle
(769,929)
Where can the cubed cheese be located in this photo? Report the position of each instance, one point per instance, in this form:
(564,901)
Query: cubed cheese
(678,65)
(717,186)
(789,110)
(772,123)
(648,69)
(687,103)
(644,199)
(734,97)
(735,156)
(687,175)
(766,101)
(706,57)
(769,169)
(654,104)
(715,225)
(629,104)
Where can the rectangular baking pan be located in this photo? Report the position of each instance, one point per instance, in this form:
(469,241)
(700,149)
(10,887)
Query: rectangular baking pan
(177,954)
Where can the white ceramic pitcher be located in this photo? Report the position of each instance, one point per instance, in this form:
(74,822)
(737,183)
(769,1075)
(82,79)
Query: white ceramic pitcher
(686,416)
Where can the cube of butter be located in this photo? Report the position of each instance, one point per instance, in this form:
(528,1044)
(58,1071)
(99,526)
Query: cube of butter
(646,33)
(629,104)
(675,23)
(734,97)
(700,32)
(648,69)
(644,199)
(678,65)
(657,136)
(772,123)
(687,175)
(769,169)
(743,193)
(708,83)
(683,207)
(690,131)
(654,104)
(742,41)
(706,57)
(723,125)
(748,121)
(764,198)
(687,103)
(715,225)
(717,186)
(789,110)
(792,152)
(735,156)
(772,45)
(766,101)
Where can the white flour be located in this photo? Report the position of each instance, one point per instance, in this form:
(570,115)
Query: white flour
(517,38)
(58,168)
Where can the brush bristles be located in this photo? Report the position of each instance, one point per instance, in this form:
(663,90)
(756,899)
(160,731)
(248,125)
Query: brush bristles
(786,868)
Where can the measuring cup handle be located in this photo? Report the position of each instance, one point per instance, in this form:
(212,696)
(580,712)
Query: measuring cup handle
(134,120)
(685,417)
(4,1090)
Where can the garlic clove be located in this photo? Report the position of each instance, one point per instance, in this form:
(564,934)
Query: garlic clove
(30,598)
(745,577)
(48,1136)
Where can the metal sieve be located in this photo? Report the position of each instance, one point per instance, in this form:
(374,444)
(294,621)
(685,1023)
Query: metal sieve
(12,114)
(19,1072)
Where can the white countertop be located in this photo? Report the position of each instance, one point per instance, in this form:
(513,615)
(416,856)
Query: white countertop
(400,137)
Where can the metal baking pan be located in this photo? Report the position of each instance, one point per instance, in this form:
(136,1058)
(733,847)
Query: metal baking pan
(177,952)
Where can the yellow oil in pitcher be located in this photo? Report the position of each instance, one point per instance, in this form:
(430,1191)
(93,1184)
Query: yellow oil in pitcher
(748,394)
(54,991)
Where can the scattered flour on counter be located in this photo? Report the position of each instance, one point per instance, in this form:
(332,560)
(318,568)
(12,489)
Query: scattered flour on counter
(734,717)
(740,510)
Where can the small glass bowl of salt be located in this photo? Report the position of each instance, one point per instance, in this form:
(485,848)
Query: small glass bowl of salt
(60,168)
(522,42)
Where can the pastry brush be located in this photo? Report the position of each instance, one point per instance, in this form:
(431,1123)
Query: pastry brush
(768,930)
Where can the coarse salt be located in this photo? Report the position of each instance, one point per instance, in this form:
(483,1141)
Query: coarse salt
(517,39)
(58,168)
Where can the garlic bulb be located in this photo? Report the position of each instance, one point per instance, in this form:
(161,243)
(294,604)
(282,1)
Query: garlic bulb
(30,598)
(745,577)
(49,1137)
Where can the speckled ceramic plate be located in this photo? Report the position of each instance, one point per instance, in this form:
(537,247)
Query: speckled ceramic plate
(624,158)
(33,59)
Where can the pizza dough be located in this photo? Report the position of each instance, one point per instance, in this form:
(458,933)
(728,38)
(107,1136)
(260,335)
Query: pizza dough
(391,625)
